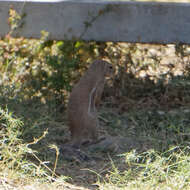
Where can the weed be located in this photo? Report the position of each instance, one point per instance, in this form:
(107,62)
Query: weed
(151,170)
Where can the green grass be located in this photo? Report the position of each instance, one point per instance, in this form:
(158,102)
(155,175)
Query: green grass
(19,164)
(148,117)
(151,170)
(163,163)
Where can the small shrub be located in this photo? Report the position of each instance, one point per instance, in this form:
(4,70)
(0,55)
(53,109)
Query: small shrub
(14,152)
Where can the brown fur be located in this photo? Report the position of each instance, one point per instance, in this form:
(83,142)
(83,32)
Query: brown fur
(85,96)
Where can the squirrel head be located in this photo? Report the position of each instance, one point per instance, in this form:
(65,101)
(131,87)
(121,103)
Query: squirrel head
(104,67)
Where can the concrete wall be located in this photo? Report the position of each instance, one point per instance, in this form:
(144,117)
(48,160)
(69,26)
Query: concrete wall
(101,20)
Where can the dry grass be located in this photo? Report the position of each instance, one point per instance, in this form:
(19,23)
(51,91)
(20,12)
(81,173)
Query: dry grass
(145,109)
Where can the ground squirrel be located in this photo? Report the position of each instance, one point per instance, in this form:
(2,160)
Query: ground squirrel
(84,98)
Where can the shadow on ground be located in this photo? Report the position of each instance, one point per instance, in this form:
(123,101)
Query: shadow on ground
(144,116)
